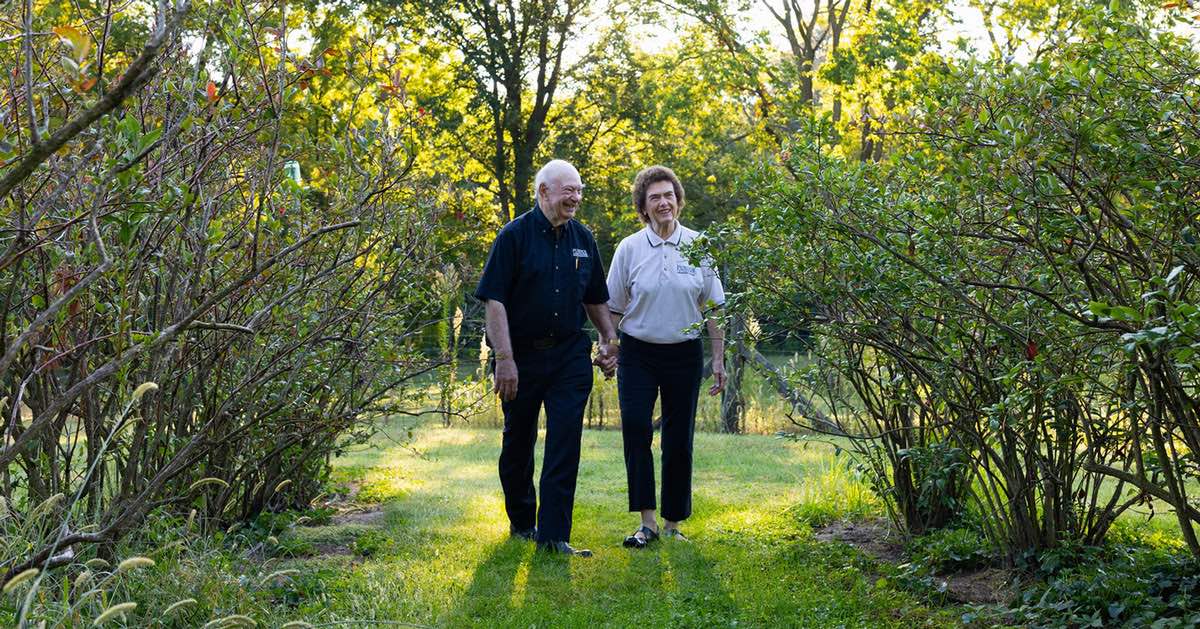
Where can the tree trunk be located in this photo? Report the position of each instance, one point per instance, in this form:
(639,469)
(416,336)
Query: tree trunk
(732,401)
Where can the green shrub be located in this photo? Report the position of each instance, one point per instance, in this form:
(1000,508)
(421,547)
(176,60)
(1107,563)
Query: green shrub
(951,550)
(1004,307)
(1117,586)
(373,543)
(189,323)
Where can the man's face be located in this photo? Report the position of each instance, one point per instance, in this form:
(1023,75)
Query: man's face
(662,208)
(560,196)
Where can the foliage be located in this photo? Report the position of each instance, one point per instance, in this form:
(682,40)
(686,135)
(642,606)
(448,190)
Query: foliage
(1012,284)
(373,544)
(1124,585)
(510,66)
(950,550)
(211,289)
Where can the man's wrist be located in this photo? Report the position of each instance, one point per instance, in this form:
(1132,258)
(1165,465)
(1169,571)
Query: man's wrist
(501,355)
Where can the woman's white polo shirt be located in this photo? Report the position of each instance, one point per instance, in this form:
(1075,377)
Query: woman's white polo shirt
(661,296)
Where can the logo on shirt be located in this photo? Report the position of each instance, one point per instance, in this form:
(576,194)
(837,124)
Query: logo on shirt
(684,269)
(579,253)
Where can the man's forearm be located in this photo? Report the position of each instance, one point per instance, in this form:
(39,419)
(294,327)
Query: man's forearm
(599,314)
(496,317)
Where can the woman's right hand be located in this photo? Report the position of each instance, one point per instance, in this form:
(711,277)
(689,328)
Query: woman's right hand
(506,379)
(718,372)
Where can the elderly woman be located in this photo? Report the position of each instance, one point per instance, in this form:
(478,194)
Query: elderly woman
(658,301)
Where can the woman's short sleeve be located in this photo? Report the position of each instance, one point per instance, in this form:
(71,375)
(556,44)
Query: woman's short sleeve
(618,280)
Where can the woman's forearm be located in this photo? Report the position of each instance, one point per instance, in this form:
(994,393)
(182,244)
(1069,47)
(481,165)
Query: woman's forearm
(716,337)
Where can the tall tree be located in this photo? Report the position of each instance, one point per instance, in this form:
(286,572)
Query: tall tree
(807,33)
(513,57)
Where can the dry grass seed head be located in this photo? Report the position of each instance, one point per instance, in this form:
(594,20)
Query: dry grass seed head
(19,579)
(112,612)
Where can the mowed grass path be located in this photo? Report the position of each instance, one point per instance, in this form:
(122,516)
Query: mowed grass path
(446,559)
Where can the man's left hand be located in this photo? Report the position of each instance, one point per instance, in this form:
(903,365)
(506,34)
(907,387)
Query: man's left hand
(718,372)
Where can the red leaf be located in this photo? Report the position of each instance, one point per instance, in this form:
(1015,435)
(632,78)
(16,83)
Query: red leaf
(1031,350)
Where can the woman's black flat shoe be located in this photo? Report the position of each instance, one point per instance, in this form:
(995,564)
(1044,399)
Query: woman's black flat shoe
(648,535)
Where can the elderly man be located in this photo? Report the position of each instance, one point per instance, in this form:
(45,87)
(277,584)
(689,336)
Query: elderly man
(542,275)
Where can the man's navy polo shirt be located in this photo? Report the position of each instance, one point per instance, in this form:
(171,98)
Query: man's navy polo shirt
(543,276)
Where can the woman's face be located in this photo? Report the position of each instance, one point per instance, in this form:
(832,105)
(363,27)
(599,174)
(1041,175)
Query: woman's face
(662,208)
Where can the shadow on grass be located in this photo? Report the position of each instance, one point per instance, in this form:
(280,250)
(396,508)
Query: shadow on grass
(699,598)
(493,585)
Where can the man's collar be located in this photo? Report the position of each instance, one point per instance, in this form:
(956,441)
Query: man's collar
(543,224)
(656,240)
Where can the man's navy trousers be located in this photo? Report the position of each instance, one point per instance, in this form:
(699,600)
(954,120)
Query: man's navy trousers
(560,378)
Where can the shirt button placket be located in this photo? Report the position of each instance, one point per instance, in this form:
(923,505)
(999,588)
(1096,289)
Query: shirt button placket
(555,276)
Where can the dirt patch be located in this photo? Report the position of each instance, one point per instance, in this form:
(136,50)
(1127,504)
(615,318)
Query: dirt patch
(372,516)
(331,550)
(876,539)
(336,535)
(986,585)
(873,537)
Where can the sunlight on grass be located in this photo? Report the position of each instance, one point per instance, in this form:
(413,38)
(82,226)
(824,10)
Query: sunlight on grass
(520,581)
(834,492)
(456,566)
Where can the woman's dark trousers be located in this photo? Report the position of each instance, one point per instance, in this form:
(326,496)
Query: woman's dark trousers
(646,370)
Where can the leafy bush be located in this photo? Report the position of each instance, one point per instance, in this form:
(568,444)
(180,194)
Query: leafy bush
(198,314)
(1118,586)
(1003,308)
(952,550)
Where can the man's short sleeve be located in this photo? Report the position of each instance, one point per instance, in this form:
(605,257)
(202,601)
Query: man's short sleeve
(498,272)
(596,291)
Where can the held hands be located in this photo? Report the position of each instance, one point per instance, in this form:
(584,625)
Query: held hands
(506,378)
(718,372)
(606,359)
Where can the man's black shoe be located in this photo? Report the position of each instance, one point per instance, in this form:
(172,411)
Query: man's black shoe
(563,548)
(525,534)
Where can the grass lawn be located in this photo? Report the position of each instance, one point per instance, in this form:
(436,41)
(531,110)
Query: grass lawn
(441,554)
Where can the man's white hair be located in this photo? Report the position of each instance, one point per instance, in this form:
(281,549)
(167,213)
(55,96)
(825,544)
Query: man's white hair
(553,169)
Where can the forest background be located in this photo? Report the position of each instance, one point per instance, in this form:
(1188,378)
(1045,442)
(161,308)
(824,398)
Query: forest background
(960,240)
